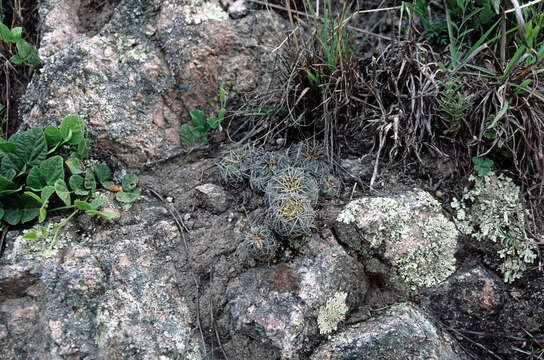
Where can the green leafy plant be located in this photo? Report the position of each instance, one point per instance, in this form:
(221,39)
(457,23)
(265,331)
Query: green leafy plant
(482,166)
(26,53)
(453,104)
(198,130)
(33,176)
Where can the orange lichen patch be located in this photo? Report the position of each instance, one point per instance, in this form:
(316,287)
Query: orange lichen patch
(115,188)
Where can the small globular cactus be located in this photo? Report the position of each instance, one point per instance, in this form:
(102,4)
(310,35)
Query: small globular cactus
(234,166)
(310,156)
(293,181)
(260,243)
(330,186)
(290,214)
(264,166)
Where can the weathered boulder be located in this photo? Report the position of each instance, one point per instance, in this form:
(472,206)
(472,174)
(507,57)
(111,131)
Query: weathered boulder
(403,332)
(108,291)
(135,80)
(278,306)
(406,232)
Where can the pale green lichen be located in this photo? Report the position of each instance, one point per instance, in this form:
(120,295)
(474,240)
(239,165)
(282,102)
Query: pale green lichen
(332,313)
(198,11)
(419,241)
(194,352)
(497,214)
(26,246)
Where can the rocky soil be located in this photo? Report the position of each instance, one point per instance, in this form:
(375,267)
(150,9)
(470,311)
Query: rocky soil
(382,275)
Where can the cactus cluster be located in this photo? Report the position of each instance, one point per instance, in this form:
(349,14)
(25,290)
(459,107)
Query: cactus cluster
(291,181)
(264,166)
(234,166)
(290,215)
(310,157)
(260,243)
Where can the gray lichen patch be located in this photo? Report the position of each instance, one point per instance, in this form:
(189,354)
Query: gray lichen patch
(332,313)
(198,11)
(497,214)
(26,246)
(408,230)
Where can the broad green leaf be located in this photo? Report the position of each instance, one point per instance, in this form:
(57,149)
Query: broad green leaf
(89,182)
(16,59)
(214,122)
(5,33)
(106,214)
(13,211)
(97,202)
(47,173)
(76,183)
(8,174)
(6,183)
(103,173)
(13,216)
(31,209)
(7,147)
(53,136)
(82,205)
(1,211)
(129,182)
(74,165)
(12,162)
(187,136)
(82,149)
(34,180)
(46,193)
(23,49)
(108,184)
(16,32)
(62,192)
(75,124)
(31,146)
(127,197)
(198,121)
(52,169)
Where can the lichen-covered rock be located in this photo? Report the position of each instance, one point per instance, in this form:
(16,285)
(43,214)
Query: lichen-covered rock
(135,80)
(279,305)
(403,332)
(492,211)
(407,231)
(106,293)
